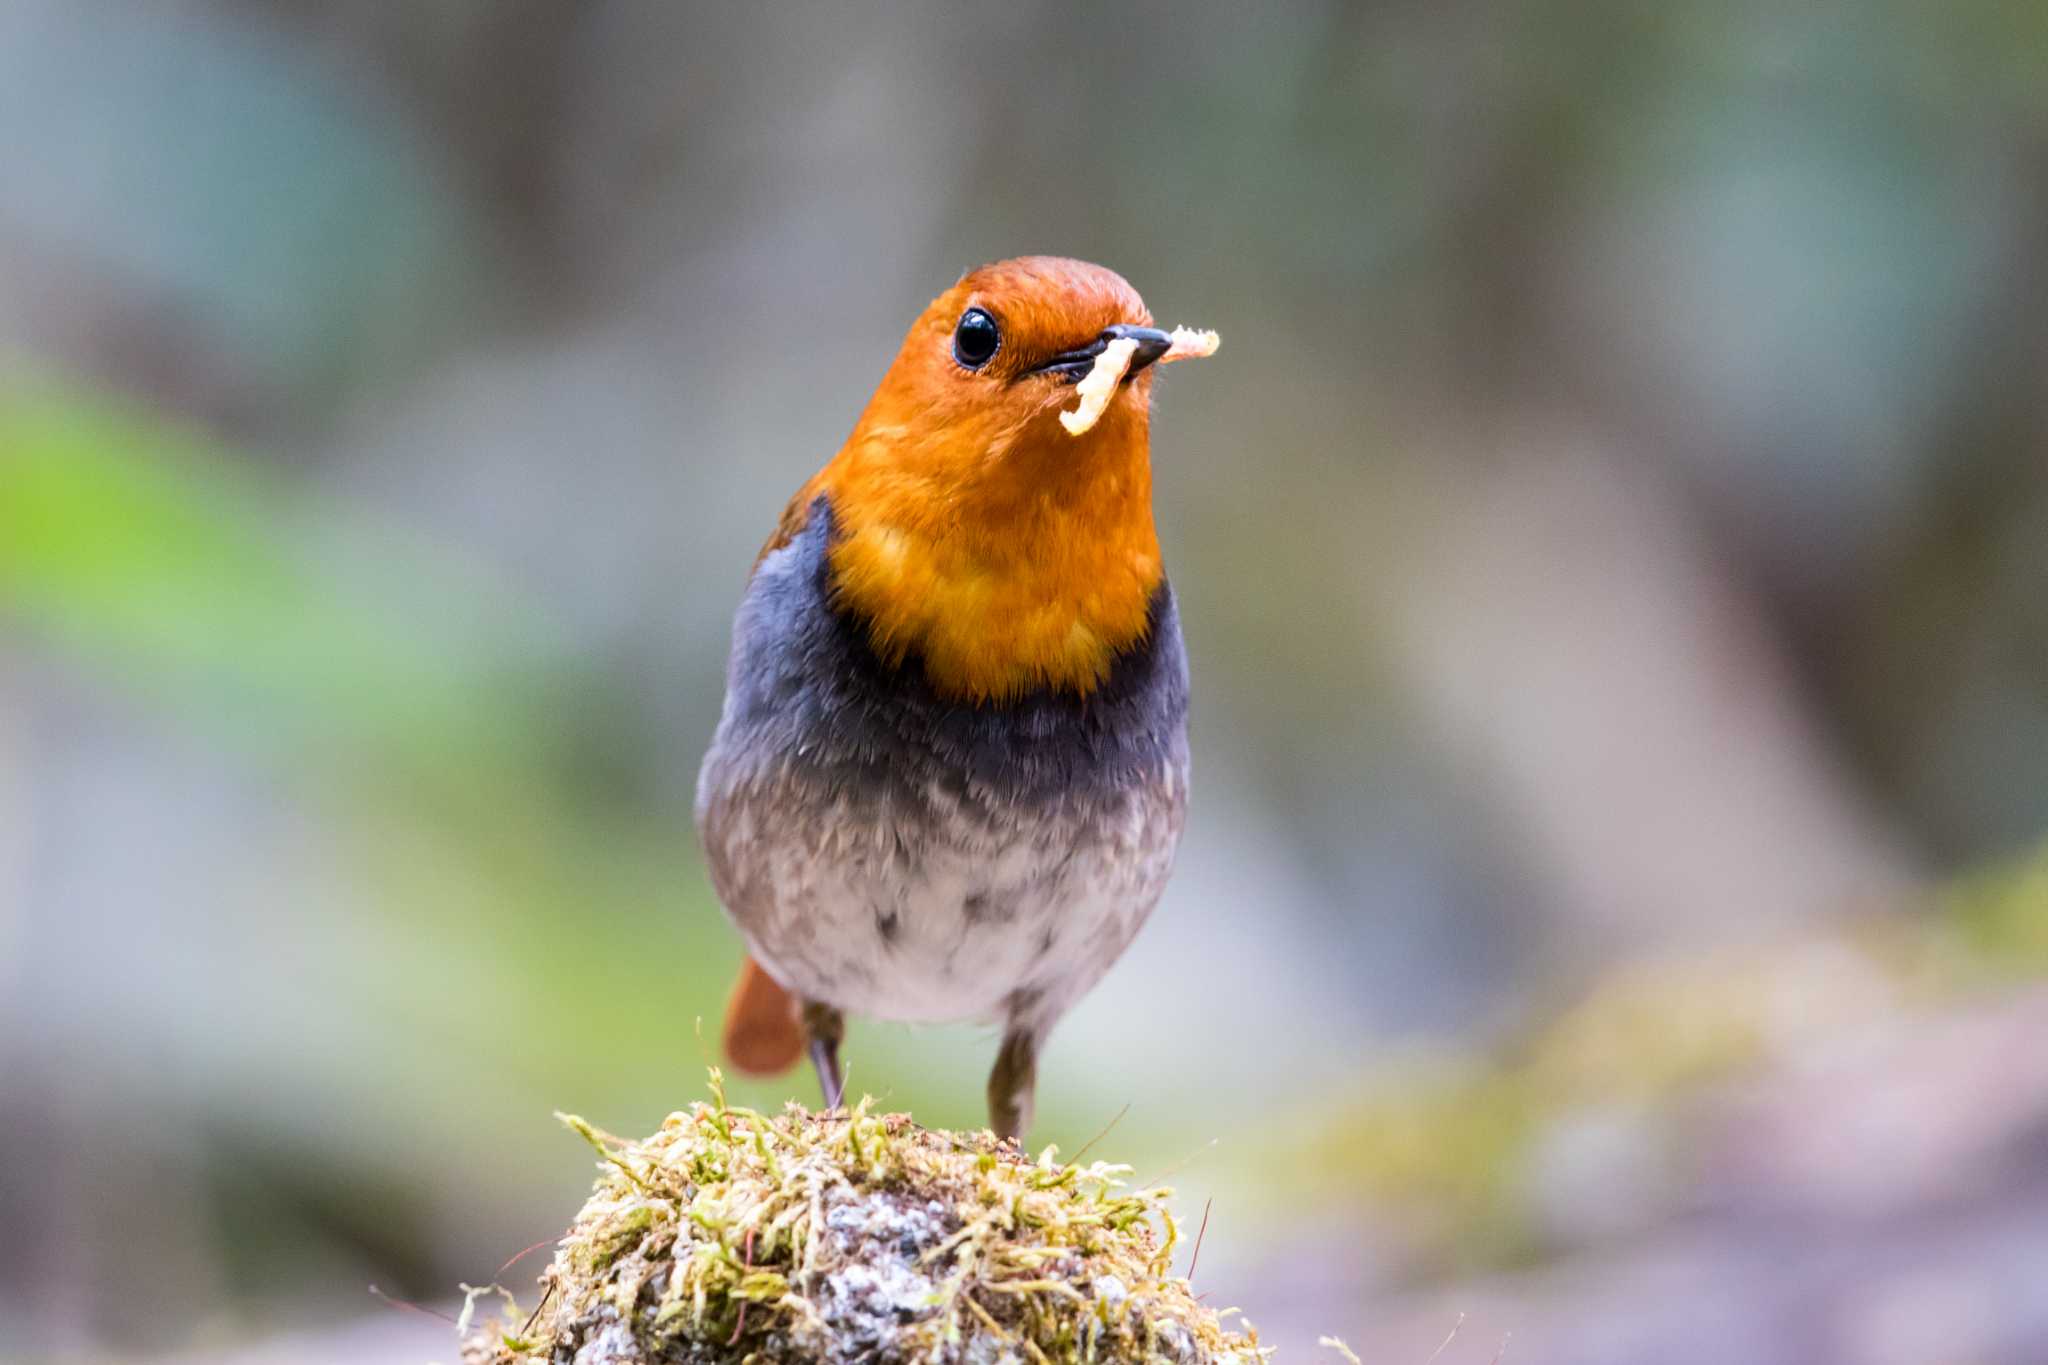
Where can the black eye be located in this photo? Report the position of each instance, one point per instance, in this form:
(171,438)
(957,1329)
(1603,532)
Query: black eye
(975,340)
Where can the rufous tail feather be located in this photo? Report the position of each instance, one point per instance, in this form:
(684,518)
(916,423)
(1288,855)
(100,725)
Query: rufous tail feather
(763,1032)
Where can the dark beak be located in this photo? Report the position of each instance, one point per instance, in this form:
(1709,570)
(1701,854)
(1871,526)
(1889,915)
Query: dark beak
(1072,366)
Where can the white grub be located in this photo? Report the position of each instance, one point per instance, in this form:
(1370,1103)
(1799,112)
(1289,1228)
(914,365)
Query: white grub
(1099,387)
(1189,344)
(1100,384)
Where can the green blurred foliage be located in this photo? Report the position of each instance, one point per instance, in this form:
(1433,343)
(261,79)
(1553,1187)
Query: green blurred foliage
(519,939)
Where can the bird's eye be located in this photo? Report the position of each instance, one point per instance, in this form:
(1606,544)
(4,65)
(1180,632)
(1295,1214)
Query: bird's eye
(976,338)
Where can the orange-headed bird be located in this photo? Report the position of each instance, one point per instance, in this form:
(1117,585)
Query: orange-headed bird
(952,767)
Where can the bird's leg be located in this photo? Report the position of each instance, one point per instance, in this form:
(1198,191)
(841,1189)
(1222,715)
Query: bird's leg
(1013,1084)
(824,1027)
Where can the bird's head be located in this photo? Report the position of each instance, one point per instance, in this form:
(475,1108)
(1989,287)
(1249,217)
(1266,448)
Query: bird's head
(992,362)
(975,532)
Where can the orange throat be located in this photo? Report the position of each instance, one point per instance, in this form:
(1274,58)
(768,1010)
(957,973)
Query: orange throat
(1031,568)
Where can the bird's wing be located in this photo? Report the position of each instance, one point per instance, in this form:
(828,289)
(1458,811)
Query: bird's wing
(763,1032)
(794,518)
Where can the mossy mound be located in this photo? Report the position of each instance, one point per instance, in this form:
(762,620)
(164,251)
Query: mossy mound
(731,1235)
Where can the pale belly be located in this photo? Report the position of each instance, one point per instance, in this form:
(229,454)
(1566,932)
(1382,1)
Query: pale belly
(946,906)
(892,852)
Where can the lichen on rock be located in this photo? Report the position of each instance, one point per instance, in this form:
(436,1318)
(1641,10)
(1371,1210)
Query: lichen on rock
(731,1235)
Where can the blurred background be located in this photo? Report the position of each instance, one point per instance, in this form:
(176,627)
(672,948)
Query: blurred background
(1612,542)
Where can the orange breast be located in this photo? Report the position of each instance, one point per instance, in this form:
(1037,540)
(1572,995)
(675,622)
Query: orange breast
(1034,572)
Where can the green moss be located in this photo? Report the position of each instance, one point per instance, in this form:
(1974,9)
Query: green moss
(735,1235)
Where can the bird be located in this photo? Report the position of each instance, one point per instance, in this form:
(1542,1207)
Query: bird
(950,775)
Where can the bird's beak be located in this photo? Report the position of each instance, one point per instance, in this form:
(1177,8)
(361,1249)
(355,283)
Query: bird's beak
(1072,366)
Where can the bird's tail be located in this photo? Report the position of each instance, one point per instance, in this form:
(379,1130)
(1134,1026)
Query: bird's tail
(763,1035)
